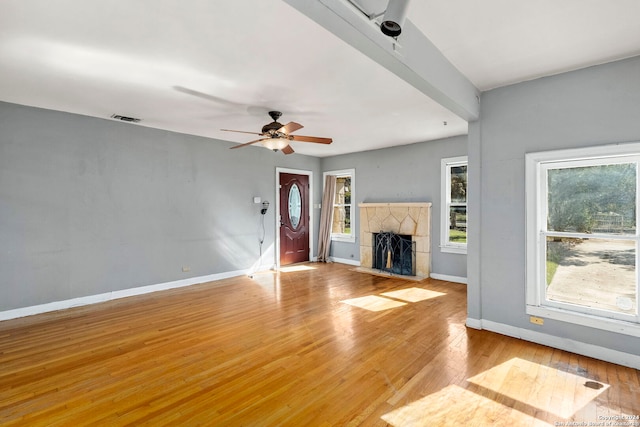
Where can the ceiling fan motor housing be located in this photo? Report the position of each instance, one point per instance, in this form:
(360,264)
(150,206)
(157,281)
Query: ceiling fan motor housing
(271,127)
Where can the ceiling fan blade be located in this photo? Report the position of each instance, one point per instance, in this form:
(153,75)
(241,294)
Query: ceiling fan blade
(248,143)
(241,131)
(287,150)
(315,139)
(290,127)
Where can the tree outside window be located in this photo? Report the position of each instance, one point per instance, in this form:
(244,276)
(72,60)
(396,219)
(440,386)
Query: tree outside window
(453,235)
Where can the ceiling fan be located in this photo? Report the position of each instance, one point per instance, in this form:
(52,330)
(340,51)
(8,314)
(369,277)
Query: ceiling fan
(276,136)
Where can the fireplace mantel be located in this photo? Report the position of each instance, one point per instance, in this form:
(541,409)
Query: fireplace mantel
(413,219)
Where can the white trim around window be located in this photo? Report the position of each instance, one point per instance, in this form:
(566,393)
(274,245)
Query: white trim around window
(447,243)
(542,231)
(345,205)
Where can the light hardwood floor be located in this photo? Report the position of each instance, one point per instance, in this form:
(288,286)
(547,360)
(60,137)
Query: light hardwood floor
(316,345)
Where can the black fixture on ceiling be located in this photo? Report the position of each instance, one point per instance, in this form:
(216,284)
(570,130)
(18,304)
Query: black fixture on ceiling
(125,118)
(394,17)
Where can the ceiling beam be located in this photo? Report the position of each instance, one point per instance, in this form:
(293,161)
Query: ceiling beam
(411,57)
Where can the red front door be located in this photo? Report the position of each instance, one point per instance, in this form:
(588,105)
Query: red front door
(294,218)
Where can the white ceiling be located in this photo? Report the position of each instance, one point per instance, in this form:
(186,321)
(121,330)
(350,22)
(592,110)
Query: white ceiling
(200,65)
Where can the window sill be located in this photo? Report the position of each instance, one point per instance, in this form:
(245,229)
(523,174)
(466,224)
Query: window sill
(582,319)
(454,250)
(347,239)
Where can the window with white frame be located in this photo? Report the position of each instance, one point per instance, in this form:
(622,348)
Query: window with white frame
(453,224)
(582,236)
(343,224)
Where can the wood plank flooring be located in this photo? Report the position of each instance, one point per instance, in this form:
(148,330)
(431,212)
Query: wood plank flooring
(315,345)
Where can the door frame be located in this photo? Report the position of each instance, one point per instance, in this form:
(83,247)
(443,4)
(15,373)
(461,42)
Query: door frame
(277,211)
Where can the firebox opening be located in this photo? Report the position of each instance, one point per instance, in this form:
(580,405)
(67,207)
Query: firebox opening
(394,253)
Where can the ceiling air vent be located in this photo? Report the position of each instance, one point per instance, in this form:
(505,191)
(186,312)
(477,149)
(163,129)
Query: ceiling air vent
(125,118)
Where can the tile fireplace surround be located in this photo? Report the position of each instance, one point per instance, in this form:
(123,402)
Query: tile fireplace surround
(413,219)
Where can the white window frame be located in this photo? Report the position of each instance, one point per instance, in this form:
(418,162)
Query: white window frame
(344,237)
(445,196)
(536,167)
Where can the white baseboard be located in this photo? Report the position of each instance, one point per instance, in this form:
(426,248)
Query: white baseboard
(345,261)
(578,347)
(447,278)
(474,323)
(108,296)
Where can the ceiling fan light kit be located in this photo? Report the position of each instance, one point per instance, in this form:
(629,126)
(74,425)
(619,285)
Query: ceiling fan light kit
(276,136)
(275,144)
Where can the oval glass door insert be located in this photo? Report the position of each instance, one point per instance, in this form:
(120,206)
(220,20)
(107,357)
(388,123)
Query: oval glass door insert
(295,205)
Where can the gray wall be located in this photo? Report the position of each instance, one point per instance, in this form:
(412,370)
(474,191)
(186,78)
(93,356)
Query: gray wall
(593,106)
(409,173)
(89,206)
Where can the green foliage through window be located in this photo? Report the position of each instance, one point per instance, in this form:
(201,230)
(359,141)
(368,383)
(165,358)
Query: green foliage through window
(593,198)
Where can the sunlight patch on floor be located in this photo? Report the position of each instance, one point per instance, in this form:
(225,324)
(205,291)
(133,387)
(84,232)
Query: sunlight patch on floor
(374,303)
(456,406)
(272,277)
(531,392)
(413,294)
(392,299)
(540,386)
(294,268)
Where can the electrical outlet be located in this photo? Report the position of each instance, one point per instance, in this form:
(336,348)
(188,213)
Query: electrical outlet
(536,320)
(185,269)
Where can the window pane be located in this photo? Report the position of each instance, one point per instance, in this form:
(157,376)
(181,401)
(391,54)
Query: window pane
(596,273)
(458,224)
(590,199)
(458,184)
(295,205)
(347,219)
(340,216)
(343,190)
